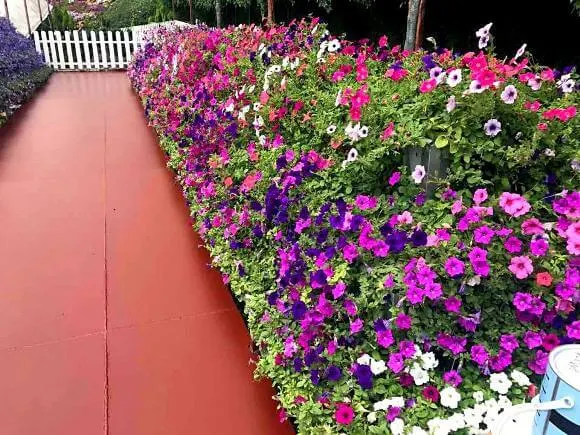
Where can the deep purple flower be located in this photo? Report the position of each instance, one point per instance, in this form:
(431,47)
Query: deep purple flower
(299,310)
(333,373)
(364,376)
(419,238)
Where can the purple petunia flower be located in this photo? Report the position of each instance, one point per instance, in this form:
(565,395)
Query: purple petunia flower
(454,267)
(492,127)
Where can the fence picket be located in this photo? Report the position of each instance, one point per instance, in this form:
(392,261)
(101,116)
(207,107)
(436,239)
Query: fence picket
(127,46)
(111,49)
(52,46)
(44,43)
(103,45)
(95,50)
(77,44)
(86,50)
(59,50)
(69,52)
(37,42)
(119,47)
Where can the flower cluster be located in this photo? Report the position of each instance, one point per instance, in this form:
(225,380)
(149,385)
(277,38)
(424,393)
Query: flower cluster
(374,306)
(22,69)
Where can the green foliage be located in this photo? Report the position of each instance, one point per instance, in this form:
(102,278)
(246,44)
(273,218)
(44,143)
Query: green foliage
(127,13)
(59,19)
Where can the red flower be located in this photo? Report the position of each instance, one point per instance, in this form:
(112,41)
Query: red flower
(544,278)
(344,414)
(532,391)
(430,393)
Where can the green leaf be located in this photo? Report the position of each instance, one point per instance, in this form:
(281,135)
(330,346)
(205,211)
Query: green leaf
(441,141)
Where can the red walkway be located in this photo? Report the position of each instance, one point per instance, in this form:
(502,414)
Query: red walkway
(110,321)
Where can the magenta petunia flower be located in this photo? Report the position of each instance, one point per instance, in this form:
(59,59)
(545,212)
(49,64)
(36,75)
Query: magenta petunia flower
(394,178)
(514,204)
(533,339)
(479,196)
(385,338)
(454,267)
(508,342)
(539,247)
(539,363)
(452,304)
(483,235)
(452,377)
(396,362)
(573,330)
(532,226)
(403,321)
(479,354)
(344,414)
(521,267)
(513,245)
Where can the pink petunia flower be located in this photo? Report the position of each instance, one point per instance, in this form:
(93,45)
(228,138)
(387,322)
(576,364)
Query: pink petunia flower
(521,266)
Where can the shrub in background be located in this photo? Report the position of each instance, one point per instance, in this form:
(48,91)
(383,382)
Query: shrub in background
(375,309)
(22,69)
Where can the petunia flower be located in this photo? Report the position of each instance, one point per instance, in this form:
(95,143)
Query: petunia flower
(521,266)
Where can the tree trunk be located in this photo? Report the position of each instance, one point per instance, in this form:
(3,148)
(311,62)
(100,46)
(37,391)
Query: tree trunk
(412,16)
(420,19)
(218,13)
(270,11)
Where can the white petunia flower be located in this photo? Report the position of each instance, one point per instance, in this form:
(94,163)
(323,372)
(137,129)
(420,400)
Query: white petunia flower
(472,417)
(418,174)
(428,361)
(500,383)
(397,426)
(478,396)
(549,152)
(331,129)
(509,94)
(251,89)
(504,402)
(419,375)
(567,86)
(416,430)
(472,282)
(364,131)
(456,422)
(449,397)
(438,426)
(257,107)
(356,132)
(382,405)
(378,367)
(372,417)
(351,157)
(454,77)
(451,104)
(483,41)
(333,46)
(364,359)
(520,378)
(338,97)
(484,31)
(520,51)
(476,88)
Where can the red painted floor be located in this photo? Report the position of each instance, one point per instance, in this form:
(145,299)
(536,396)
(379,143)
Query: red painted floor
(110,320)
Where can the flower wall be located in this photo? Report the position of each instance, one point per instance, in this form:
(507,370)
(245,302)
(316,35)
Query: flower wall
(22,69)
(375,307)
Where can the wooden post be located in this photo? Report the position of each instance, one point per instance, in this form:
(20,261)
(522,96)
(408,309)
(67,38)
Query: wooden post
(6,7)
(411,24)
(27,17)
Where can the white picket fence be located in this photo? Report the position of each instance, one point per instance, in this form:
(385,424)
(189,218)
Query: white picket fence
(82,50)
